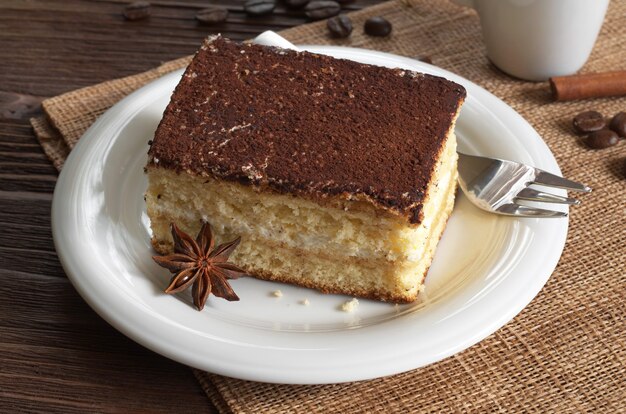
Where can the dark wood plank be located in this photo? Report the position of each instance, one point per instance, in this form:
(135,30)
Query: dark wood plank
(76,43)
(44,362)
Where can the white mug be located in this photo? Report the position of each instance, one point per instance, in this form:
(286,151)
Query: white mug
(538,39)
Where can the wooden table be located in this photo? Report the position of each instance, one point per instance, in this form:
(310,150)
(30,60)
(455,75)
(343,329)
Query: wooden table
(56,354)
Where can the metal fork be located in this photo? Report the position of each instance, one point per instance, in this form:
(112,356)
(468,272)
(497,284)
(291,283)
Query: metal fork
(497,185)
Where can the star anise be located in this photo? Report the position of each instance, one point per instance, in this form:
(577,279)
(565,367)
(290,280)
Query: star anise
(199,263)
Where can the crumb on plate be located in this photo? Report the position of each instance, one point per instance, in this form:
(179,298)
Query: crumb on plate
(350,305)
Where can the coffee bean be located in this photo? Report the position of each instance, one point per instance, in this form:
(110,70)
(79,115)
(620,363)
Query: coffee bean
(618,124)
(212,15)
(601,139)
(425,59)
(137,11)
(588,121)
(377,26)
(296,4)
(259,7)
(322,9)
(339,26)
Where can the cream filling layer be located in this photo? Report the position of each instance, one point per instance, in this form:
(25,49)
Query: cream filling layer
(327,270)
(293,222)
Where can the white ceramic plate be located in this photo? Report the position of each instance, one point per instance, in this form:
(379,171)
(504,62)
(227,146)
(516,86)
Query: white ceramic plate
(486,270)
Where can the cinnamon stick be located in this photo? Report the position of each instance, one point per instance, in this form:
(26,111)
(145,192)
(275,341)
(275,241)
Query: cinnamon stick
(592,85)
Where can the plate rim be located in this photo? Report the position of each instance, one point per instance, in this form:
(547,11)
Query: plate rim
(264,374)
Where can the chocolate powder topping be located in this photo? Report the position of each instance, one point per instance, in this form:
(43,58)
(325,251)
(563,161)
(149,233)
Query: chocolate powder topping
(308,124)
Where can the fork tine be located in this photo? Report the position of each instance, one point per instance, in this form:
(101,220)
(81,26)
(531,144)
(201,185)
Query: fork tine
(534,195)
(551,180)
(525,211)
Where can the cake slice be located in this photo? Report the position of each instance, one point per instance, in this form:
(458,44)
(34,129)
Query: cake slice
(338,176)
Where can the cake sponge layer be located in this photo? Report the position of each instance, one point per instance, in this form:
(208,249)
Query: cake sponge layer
(357,249)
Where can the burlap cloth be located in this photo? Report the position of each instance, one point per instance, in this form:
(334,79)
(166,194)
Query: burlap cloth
(566,351)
